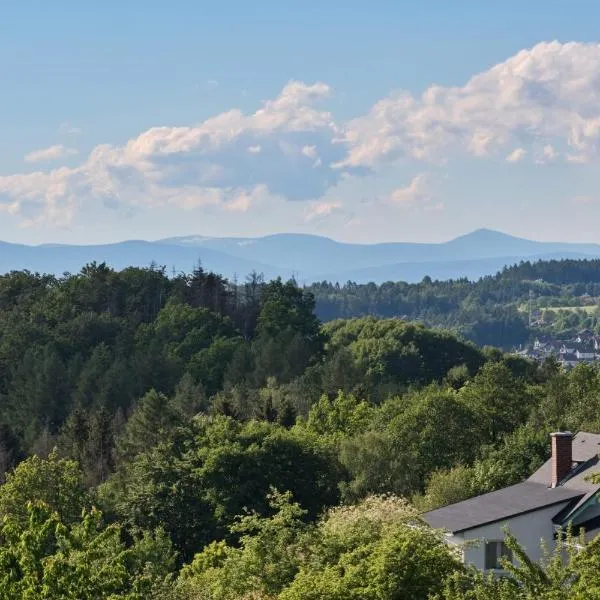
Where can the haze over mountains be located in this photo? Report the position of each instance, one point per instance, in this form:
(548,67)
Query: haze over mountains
(307,257)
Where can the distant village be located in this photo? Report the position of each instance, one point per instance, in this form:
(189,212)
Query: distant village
(583,348)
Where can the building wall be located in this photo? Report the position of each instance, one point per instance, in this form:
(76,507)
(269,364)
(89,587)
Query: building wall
(529,529)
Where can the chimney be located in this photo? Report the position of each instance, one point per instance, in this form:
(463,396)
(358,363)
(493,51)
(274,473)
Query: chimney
(562,455)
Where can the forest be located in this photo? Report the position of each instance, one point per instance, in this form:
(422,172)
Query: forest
(188,437)
(490,311)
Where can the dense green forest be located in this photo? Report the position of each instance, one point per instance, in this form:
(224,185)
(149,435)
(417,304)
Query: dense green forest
(490,311)
(189,438)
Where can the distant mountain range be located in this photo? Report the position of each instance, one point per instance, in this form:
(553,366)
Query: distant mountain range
(307,257)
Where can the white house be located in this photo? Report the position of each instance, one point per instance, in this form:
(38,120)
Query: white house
(564,349)
(585,355)
(556,495)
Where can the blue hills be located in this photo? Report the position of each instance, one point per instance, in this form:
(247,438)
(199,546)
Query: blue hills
(308,258)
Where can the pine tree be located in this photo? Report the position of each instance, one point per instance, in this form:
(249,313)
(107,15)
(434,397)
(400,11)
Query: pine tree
(151,420)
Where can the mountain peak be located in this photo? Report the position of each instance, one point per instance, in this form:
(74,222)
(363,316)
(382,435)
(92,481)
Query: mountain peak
(483,234)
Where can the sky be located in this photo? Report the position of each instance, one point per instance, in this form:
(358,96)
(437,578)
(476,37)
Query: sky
(361,121)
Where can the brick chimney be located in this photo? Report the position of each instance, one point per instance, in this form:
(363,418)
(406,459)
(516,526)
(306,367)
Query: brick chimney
(562,455)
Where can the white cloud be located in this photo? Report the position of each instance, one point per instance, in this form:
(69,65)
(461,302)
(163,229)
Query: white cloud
(322,209)
(49,154)
(550,91)
(516,155)
(542,104)
(577,159)
(549,152)
(309,151)
(190,167)
(415,195)
(242,200)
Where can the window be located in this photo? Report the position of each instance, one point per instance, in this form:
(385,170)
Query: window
(495,552)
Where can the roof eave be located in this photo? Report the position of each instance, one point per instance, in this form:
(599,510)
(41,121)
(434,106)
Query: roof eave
(517,514)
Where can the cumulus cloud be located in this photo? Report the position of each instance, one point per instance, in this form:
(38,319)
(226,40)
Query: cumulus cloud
(549,91)
(190,167)
(542,104)
(322,209)
(416,194)
(309,151)
(49,154)
(516,155)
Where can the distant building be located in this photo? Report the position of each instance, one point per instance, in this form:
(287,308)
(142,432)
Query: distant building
(584,348)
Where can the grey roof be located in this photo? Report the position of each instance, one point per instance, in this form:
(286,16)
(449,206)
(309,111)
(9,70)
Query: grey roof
(498,506)
(586,447)
(532,494)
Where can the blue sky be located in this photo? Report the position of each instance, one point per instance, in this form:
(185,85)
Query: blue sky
(361,121)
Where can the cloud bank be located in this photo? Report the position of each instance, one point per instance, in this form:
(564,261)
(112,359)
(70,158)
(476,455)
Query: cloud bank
(49,154)
(541,105)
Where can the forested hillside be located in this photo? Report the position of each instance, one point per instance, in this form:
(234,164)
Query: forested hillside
(192,438)
(490,311)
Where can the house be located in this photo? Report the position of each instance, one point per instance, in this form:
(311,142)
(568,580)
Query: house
(568,360)
(584,336)
(564,349)
(585,354)
(556,495)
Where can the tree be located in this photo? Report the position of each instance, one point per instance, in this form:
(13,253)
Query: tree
(48,559)
(376,466)
(377,550)
(374,551)
(500,401)
(196,482)
(190,397)
(11,452)
(436,429)
(340,416)
(447,487)
(267,559)
(56,482)
(288,334)
(210,364)
(151,421)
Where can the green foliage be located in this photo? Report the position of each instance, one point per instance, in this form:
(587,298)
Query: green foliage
(55,482)
(198,481)
(487,311)
(152,419)
(341,416)
(375,550)
(228,418)
(47,559)
(267,559)
(288,336)
(500,401)
(510,461)
(394,353)
(447,486)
